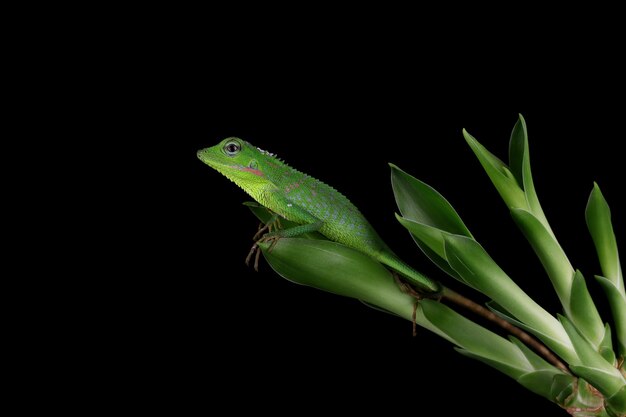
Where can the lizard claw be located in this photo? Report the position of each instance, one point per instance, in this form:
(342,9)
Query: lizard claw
(256,251)
(267,227)
(260,231)
(253,249)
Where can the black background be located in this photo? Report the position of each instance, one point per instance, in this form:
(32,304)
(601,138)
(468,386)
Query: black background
(197,327)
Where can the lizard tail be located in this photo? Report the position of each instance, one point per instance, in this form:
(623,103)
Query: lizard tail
(414,277)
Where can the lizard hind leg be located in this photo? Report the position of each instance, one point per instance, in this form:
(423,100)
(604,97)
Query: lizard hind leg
(406,288)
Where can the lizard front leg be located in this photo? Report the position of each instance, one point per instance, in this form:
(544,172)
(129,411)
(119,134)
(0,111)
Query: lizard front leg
(273,222)
(274,236)
(312,224)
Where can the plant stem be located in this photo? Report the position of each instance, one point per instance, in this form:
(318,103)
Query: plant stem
(526,338)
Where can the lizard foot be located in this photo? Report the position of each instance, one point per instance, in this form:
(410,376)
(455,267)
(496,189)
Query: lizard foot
(270,226)
(408,289)
(256,251)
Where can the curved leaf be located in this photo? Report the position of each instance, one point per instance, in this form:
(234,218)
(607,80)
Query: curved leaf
(430,240)
(519,160)
(332,267)
(549,251)
(419,202)
(583,312)
(474,338)
(540,382)
(476,267)
(598,217)
(617,301)
(606,346)
(518,149)
(592,366)
(617,403)
(501,177)
(577,396)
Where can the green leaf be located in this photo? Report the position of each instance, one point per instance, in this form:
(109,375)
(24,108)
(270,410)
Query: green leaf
(617,403)
(563,386)
(332,267)
(430,240)
(598,216)
(570,286)
(577,396)
(532,371)
(518,149)
(606,346)
(509,357)
(419,202)
(583,312)
(617,301)
(536,361)
(549,252)
(540,382)
(560,346)
(474,338)
(519,160)
(501,177)
(477,268)
(503,367)
(592,366)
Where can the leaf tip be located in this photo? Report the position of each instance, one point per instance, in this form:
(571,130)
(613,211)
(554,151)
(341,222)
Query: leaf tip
(469,138)
(596,187)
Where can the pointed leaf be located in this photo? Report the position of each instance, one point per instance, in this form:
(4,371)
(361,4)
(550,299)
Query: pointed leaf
(500,175)
(430,241)
(549,252)
(419,202)
(330,266)
(518,148)
(606,346)
(335,268)
(476,267)
(617,301)
(583,311)
(577,396)
(569,285)
(472,337)
(540,382)
(592,366)
(559,346)
(503,367)
(536,361)
(617,403)
(598,216)
(519,158)
(563,386)
(374,307)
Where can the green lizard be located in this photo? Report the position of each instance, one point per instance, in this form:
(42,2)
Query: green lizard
(298,197)
(316,206)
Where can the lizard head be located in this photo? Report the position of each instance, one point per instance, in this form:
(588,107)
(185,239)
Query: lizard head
(238,160)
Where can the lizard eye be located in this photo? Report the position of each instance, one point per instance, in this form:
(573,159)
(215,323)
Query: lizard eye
(231,148)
